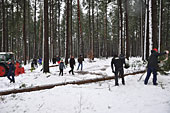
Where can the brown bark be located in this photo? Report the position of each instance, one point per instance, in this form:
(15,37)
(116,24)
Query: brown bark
(80,28)
(46,45)
(35,34)
(154,24)
(3,27)
(24,33)
(127,31)
(68,36)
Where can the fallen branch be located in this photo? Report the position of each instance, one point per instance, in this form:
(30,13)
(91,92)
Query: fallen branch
(43,87)
(53,65)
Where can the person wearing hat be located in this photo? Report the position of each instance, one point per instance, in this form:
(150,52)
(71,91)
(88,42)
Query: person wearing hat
(153,65)
(11,71)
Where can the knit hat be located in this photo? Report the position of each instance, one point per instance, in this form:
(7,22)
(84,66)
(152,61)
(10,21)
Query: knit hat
(155,49)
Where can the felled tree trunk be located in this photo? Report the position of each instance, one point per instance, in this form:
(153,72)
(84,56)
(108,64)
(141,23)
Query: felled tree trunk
(79,82)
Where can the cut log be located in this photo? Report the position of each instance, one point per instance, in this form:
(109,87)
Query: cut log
(79,82)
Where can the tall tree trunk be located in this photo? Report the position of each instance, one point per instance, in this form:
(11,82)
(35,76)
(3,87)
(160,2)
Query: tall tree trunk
(46,45)
(160,26)
(50,29)
(90,41)
(154,24)
(35,34)
(141,31)
(67,37)
(24,34)
(17,33)
(53,29)
(12,33)
(121,25)
(3,27)
(105,30)
(147,31)
(93,30)
(78,29)
(118,28)
(97,34)
(127,30)
(81,35)
(71,30)
(6,33)
(59,48)
(40,29)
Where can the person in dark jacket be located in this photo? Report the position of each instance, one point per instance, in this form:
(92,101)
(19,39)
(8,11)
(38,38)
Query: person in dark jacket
(153,65)
(54,60)
(80,61)
(35,62)
(72,63)
(119,71)
(11,71)
(61,67)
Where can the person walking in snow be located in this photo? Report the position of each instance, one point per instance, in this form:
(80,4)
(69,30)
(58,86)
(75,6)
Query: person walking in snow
(72,63)
(119,71)
(153,65)
(11,71)
(80,61)
(61,67)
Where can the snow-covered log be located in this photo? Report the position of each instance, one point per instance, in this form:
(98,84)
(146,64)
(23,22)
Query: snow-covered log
(49,86)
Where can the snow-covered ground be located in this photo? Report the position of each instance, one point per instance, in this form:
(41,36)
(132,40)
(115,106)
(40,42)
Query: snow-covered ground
(100,97)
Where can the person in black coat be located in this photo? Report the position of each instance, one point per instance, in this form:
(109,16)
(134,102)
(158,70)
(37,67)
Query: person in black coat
(11,71)
(54,60)
(72,63)
(119,71)
(153,65)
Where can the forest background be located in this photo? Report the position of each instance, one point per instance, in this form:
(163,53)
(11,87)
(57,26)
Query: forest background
(99,28)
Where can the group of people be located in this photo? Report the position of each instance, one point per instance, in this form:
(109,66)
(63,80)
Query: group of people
(72,63)
(152,66)
(117,66)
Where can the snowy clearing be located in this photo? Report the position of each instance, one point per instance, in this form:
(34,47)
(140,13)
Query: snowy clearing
(100,97)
